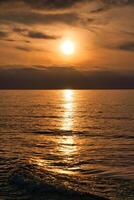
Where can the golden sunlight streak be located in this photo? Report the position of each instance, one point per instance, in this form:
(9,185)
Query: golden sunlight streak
(68,145)
(65,145)
(67,122)
(68,95)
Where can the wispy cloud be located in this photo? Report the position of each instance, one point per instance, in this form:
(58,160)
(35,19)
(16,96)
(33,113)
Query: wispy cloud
(47,4)
(23,48)
(3,35)
(40,35)
(127,46)
(34,34)
(104,5)
(31,18)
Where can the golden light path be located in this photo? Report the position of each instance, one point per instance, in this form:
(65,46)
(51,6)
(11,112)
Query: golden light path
(66,143)
(67,123)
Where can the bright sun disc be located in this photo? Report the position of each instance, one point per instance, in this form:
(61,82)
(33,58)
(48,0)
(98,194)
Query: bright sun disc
(67,47)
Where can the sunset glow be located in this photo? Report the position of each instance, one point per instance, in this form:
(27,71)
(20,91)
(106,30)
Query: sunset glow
(66,99)
(68,47)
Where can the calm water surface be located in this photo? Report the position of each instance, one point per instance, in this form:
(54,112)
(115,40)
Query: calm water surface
(66,140)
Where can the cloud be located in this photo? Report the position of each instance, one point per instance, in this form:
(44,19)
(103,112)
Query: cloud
(23,48)
(40,77)
(31,18)
(3,35)
(40,35)
(61,4)
(47,4)
(55,4)
(34,34)
(104,5)
(19,30)
(27,49)
(10,40)
(127,46)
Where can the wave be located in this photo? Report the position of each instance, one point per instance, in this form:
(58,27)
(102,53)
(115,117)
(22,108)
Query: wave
(58,132)
(25,178)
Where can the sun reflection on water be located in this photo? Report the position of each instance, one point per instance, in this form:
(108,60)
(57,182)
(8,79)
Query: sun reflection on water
(67,147)
(67,122)
(64,145)
(67,143)
(68,95)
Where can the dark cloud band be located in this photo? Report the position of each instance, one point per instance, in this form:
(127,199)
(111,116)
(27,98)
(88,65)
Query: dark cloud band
(47,4)
(62,77)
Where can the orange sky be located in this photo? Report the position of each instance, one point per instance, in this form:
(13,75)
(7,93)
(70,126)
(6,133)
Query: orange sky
(31,33)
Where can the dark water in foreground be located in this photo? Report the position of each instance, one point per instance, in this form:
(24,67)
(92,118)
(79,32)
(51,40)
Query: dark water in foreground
(65,144)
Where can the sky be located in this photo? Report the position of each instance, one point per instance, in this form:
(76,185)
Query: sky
(32,33)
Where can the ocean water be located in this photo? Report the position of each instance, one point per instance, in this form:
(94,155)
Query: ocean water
(67,144)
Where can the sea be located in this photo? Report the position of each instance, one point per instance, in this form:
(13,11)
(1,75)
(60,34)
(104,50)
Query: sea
(66,144)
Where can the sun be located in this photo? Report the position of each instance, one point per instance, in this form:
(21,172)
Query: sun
(68,47)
